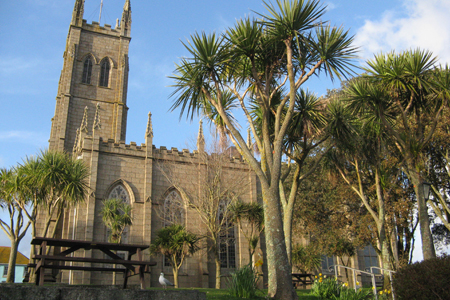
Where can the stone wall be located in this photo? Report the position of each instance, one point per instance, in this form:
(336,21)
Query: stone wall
(21,292)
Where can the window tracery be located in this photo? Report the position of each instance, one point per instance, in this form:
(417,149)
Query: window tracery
(173,208)
(227,240)
(119,192)
(104,72)
(87,70)
(173,214)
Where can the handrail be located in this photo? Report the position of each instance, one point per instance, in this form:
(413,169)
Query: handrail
(372,275)
(390,278)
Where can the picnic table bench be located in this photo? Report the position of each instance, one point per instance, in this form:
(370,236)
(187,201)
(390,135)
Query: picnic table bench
(127,266)
(302,279)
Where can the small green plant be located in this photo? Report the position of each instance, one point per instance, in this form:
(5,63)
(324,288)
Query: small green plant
(243,282)
(346,293)
(325,288)
(384,295)
(306,259)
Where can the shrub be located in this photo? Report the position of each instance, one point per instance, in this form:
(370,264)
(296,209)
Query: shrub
(306,259)
(429,279)
(346,293)
(325,288)
(243,282)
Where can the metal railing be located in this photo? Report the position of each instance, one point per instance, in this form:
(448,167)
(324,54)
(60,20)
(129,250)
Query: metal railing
(390,278)
(372,275)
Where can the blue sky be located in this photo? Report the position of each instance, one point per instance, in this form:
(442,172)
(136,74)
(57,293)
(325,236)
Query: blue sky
(33,35)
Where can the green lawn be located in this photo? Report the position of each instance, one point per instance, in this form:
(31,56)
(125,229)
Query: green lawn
(213,294)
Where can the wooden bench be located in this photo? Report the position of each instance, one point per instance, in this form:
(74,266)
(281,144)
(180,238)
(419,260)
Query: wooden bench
(51,261)
(302,279)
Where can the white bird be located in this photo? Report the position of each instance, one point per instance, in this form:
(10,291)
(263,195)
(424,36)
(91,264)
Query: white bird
(164,282)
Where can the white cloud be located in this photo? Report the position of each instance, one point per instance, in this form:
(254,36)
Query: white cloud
(330,5)
(14,65)
(422,24)
(29,137)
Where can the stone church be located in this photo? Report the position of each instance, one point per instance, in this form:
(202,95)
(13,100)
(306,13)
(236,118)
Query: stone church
(90,121)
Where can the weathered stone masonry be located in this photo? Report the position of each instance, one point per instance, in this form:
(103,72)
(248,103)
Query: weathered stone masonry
(90,122)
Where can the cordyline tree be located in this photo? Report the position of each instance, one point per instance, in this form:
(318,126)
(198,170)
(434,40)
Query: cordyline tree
(255,60)
(438,174)
(46,184)
(250,218)
(368,162)
(13,196)
(63,181)
(361,163)
(407,92)
(312,124)
(57,181)
(175,243)
(116,216)
(330,217)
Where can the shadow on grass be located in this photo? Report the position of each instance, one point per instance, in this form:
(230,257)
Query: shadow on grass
(223,294)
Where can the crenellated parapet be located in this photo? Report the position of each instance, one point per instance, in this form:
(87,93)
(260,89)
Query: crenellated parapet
(186,156)
(88,143)
(105,29)
(131,149)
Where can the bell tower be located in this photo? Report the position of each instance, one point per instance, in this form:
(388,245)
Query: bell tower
(93,81)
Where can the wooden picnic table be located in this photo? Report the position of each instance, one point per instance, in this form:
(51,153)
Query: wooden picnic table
(302,279)
(50,261)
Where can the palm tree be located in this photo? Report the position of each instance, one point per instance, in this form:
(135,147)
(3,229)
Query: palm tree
(306,259)
(13,197)
(252,215)
(306,136)
(31,170)
(411,89)
(259,58)
(361,161)
(175,243)
(116,215)
(64,183)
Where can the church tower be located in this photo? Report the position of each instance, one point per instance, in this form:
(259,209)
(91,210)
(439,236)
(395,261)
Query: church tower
(94,76)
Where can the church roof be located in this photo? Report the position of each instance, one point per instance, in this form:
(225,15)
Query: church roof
(4,256)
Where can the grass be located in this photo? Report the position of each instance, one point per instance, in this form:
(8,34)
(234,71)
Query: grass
(223,294)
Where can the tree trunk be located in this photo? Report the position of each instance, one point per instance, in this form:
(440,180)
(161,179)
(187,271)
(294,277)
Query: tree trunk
(385,257)
(288,210)
(218,271)
(175,276)
(12,261)
(428,250)
(347,278)
(280,278)
(32,271)
(287,220)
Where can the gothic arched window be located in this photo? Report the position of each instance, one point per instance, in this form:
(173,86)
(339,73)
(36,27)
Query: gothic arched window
(173,208)
(104,72)
(120,192)
(173,214)
(87,70)
(227,240)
